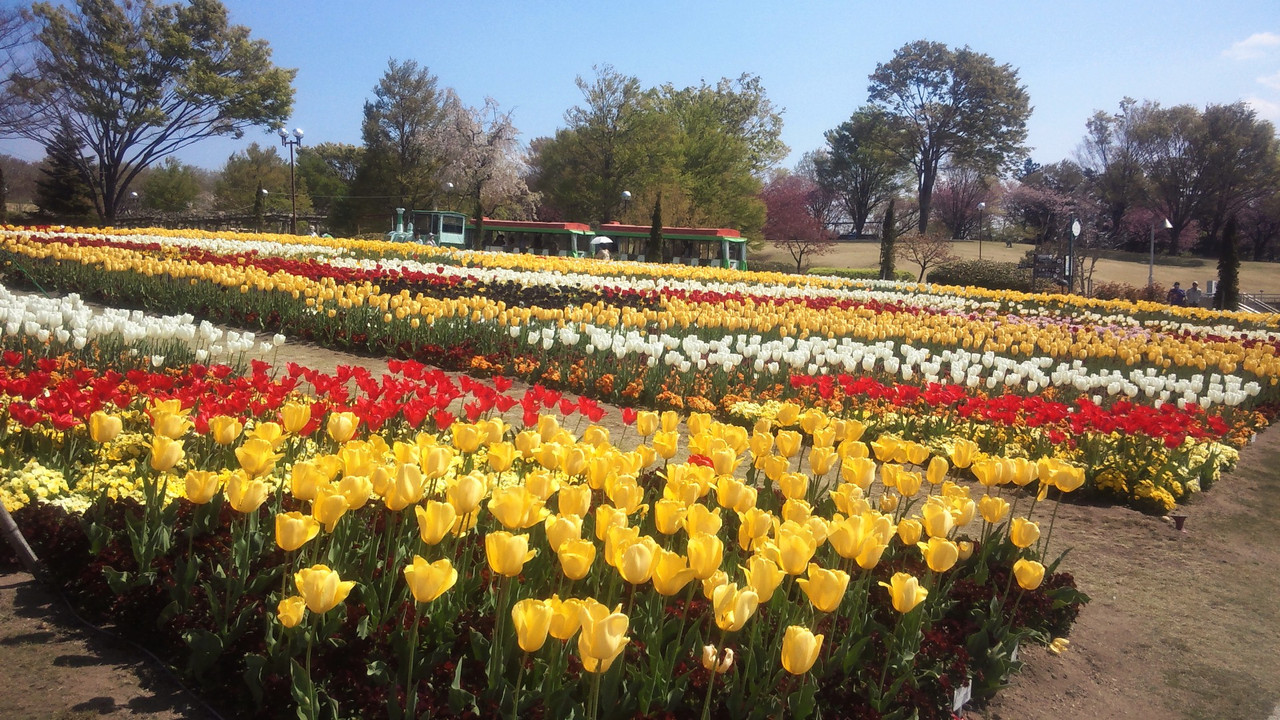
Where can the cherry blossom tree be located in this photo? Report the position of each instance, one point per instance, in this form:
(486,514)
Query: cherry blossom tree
(789,221)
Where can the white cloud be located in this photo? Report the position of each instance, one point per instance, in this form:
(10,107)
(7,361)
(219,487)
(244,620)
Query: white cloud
(1271,81)
(1253,47)
(1266,109)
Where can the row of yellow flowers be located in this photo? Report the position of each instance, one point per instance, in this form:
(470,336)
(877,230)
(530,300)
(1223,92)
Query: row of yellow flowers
(1164,350)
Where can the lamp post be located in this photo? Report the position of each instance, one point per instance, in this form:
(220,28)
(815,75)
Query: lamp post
(981,207)
(292,141)
(1151,262)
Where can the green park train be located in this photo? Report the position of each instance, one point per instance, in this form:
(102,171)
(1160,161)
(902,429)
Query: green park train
(701,247)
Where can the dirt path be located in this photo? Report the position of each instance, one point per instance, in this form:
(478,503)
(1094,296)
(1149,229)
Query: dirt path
(1182,625)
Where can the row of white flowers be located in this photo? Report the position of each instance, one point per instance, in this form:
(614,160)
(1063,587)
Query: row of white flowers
(816,356)
(217,245)
(71,322)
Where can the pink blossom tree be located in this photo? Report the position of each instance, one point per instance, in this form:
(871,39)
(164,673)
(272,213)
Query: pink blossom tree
(790,223)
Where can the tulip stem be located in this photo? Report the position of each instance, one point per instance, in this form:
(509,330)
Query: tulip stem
(515,707)
(411,692)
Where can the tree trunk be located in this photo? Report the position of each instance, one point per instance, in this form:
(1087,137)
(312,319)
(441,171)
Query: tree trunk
(926,198)
(4,200)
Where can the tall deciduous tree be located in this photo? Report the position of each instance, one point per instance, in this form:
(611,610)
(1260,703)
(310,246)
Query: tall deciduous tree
(614,141)
(790,225)
(1239,157)
(951,106)
(403,159)
(327,170)
(863,164)
(481,146)
(173,187)
(249,172)
(957,197)
(137,81)
(1113,159)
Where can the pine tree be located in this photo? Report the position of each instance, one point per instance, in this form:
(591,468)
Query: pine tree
(63,194)
(653,253)
(887,236)
(1228,295)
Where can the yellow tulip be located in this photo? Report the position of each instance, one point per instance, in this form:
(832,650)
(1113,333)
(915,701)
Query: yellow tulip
(859,471)
(165,453)
(636,563)
(295,416)
(963,453)
(788,414)
(532,621)
(763,576)
(574,500)
(909,531)
(437,460)
(434,520)
(293,530)
(966,550)
(908,483)
(202,485)
(291,611)
(937,519)
(170,425)
(824,588)
(104,428)
(1023,533)
(566,617)
(939,553)
(821,460)
(576,558)
(788,442)
(666,444)
(466,493)
(466,437)
(754,525)
(699,519)
(507,553)
(905,592)
(793,485)
(793,547)
(733,607)
(706,553)
(245,494)
(1029,573)
(561,529)
(342,426)
(407,488)
(800,648)
(269,431)
(608,516)
(668,516)
(304,478)
(603,637)
(671,572)
(515,507)
(761,445)
(501,456)
(329,506)
(937,471)
(357,490)
(428,581)
(993,508)
(321,588)
(724,460)
(256,457)
(646,422)
(626,495)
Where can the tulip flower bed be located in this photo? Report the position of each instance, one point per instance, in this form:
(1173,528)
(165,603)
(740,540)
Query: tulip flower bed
(398,547)
(1153,401)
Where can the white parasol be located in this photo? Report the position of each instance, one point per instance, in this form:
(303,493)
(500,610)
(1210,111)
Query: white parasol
(601,240)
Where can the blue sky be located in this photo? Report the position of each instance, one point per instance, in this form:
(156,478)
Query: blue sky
(1074,56)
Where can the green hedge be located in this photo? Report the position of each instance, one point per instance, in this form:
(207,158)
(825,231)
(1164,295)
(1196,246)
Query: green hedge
(860,273)
(983,273)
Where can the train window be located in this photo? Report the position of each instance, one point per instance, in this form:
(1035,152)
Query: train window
(451,224)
